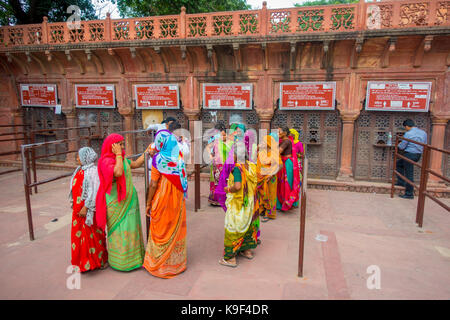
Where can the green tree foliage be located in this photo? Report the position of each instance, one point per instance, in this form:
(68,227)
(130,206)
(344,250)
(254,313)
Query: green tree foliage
(324,2)
(144,8)
(33,11)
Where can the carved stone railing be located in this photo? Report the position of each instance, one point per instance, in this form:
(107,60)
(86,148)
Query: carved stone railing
(264,22)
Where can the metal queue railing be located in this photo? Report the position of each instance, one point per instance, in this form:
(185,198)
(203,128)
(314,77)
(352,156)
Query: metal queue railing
(18,136)
(424,174)
(303,198)
(28,156)
(34,133)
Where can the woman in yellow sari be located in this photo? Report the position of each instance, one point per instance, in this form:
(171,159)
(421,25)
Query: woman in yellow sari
(165,256)
(266,190)
(240,230)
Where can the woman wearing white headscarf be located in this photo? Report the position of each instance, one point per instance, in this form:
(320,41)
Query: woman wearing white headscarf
(88,244)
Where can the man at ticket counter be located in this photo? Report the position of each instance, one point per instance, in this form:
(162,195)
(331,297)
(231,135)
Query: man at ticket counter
(411,151)
(163,125)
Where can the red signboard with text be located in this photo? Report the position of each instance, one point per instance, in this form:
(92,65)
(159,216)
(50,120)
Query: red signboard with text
(95,96)
(38,95)
(156,96)
(398,96)
(307,95)
(227,96)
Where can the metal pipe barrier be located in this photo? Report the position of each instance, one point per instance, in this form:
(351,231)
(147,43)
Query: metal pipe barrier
(301,250)
(26,152)
(25,138)
(33,134)
(424,174)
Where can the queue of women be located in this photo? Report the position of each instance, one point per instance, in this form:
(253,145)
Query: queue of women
(249,181)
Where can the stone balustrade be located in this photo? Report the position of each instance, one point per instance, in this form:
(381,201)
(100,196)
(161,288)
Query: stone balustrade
(263,23)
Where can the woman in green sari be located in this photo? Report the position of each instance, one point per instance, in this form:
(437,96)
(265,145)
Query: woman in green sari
(117,206)
(240,228)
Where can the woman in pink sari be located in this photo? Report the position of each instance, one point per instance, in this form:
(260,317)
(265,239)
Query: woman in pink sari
(288,184)
(219,146)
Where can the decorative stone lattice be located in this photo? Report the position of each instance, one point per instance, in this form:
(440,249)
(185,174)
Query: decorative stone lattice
(96,31)
(145,29)
(279,21)
(249,23)
(343,19)
(169,28)
(310,20)
(197,27)
(414,14)
(34,35)
(222,25)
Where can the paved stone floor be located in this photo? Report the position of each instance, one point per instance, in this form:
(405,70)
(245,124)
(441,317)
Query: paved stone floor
(361,229)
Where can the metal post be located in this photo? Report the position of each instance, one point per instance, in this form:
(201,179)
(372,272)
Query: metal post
(394,167)
(197,187)
(147,219)
(423,185)
(301,250)
(33,161)
(26,184)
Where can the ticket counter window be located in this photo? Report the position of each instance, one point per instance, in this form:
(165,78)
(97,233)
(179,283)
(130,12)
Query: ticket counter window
(39,118)
(143,139)
(373,157)
(210,118)
(320,132)
(105,122)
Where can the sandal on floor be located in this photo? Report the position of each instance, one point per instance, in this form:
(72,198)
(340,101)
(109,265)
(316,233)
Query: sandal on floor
(245,256)
(227,264)
(265,219)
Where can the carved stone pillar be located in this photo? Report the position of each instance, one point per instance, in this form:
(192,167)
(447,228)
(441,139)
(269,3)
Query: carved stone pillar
(71,120)
(196,138)
(437,140)
(128,125)
(265,118)
(348,128)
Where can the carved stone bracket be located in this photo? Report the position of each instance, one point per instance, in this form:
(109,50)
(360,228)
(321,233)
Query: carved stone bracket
(424,46)
(136,55)
(293,56)
(186,55)
(237,57)
(80,65)
(265,115)
(163,58)
(357,48)
(265,55)
(5,67)
(349,117)
(210,56)
(325,54)
(192,114)
(91,56)
(10,58)
(117,59)
(55,59)
(30,56)
(388,48)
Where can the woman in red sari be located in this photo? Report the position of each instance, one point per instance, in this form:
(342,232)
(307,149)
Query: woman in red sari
(88,244)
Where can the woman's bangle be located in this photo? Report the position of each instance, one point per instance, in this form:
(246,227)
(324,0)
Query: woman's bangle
(118,155)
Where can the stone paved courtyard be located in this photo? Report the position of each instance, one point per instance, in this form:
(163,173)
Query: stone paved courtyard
(362,229)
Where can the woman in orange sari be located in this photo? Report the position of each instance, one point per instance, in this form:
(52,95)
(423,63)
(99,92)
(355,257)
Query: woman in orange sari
(165,256)
(268,165)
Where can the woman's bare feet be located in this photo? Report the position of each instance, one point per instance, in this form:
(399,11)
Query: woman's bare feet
(247,254)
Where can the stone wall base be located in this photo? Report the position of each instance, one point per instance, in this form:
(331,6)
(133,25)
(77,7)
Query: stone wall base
(440,191)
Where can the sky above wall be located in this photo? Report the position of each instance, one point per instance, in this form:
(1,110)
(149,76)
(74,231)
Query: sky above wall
(103,8)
